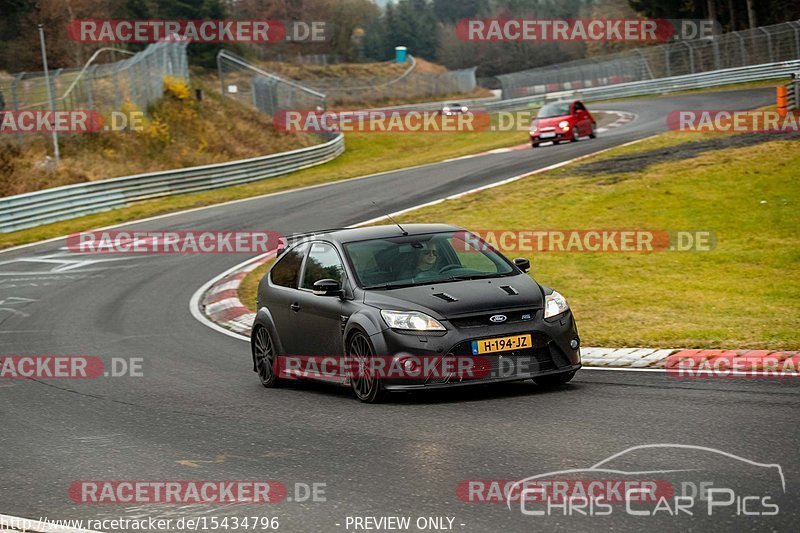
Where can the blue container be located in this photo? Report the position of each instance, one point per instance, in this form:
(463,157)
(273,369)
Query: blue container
(400,54)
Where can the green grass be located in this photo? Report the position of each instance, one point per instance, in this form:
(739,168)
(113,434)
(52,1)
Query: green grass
(366,153)
(743,294)
(248,288)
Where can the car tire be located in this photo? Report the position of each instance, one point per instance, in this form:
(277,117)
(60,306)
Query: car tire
(367,388)
(575,134)
(593,135)
(554,380)
(265,357)
(534,145)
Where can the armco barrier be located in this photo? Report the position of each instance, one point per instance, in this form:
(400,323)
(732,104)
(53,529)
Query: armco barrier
(703,80)
(62,203)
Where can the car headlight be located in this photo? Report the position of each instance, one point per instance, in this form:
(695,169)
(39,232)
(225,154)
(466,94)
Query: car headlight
(464,109)
(534,129)
(554,305)
(411,320)
(564,125)
(446,110)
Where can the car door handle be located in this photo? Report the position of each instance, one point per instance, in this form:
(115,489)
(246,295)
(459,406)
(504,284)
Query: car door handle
(295,307)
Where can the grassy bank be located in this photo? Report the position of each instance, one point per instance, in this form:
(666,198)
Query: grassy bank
(745,293)
(366,153)
(178,132)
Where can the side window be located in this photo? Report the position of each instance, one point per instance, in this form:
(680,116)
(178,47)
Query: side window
(469,256)
(287,270)
(323,263)
(579,107)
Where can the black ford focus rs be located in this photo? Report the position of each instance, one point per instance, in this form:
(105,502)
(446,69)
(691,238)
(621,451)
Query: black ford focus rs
(433,304)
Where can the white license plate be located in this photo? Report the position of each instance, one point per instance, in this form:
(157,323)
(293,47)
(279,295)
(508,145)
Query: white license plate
(547,135)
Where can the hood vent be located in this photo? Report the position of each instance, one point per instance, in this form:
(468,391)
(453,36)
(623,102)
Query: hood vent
(508,289)
(446,297)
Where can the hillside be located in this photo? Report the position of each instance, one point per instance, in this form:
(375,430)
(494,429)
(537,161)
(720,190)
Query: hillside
(180,132)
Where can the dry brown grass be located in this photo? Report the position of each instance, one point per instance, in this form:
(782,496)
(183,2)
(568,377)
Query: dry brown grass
(296,71)
(180,132)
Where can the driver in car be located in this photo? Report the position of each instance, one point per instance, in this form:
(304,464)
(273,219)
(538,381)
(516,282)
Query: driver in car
(427,257)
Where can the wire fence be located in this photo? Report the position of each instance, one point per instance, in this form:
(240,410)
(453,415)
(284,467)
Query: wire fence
(266,91)
(767,44)
(270,92)
(137,80)
(410,84)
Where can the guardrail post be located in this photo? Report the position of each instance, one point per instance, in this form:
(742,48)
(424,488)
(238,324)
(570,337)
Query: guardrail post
(691,55)
(115,81)
(15,102)
(742,47)
(796,36)
(87,86)
(667,60)
(221,73)
(769,44)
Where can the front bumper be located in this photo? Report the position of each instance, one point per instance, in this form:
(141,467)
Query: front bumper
(559,136)
(551,352)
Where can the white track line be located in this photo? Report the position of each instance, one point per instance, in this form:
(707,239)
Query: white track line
(240,200)
(194,302)
(230,202)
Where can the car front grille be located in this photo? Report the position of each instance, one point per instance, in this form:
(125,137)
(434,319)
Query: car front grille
(482,320)
(502,364)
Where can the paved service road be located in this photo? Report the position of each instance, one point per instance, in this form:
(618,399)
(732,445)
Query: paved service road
(199,413)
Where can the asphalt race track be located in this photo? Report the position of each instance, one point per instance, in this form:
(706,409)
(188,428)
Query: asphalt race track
(198,411)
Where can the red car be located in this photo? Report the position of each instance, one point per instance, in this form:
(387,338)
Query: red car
(562,121)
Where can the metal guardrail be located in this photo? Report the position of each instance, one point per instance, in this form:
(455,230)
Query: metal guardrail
(793,92)
(61,203)
(769,71)
(757,46)
(702,80)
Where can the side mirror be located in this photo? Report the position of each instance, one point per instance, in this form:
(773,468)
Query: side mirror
(327,287)
(522,263)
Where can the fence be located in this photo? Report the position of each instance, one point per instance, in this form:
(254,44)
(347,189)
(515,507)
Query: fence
(271,92)
(769,71)
(768,44)
(62,203)
(102,87)
(263,90)
(410,84)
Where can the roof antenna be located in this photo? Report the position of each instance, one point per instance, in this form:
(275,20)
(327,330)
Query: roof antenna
(396,223)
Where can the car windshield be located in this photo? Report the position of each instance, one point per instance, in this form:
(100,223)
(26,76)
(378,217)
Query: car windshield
(557,109)
(424,259)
